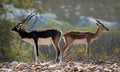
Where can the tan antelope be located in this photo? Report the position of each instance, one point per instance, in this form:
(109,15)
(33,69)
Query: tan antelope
(39,37)
(80,37)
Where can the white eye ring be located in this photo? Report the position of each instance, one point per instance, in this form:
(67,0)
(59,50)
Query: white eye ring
(17,27)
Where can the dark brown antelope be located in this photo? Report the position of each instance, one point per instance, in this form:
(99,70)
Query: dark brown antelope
(77,37)
(41,37)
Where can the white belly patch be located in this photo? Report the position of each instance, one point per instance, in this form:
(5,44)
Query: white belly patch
(41,41)
(79,41)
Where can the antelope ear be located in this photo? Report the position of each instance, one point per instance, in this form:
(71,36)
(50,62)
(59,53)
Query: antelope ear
(97,24)
(98,21)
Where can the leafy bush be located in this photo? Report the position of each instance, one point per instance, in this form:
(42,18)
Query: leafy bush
(6,52)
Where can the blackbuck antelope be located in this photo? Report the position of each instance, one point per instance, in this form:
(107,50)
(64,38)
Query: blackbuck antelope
(41,37)
(77,37)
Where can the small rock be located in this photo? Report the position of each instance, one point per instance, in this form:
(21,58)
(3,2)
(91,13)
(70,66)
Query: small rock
(23,64)
(14,63)
(6,70)
(107,70)
(1,65)
(55,66)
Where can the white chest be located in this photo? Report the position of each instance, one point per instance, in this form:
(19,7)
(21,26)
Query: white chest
(93,39)
(41,41)
(79,41)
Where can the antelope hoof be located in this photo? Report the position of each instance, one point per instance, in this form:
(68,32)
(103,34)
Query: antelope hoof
(57,60)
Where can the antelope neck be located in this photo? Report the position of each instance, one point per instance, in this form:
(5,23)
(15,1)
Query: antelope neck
(23,34)
(97,34)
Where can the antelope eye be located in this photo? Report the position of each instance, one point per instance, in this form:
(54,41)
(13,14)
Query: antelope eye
(18,27)
(102,28)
